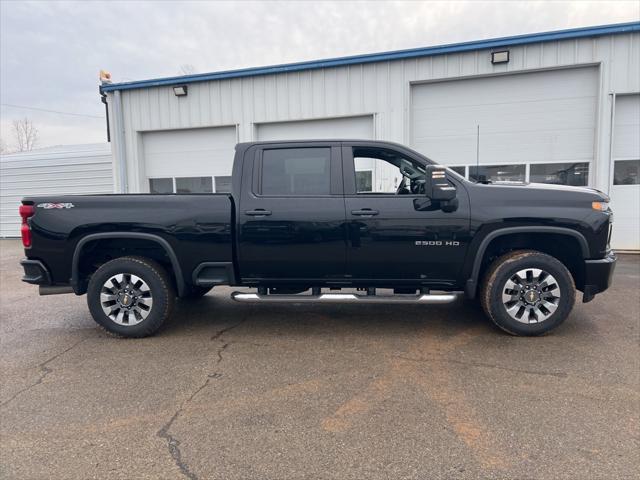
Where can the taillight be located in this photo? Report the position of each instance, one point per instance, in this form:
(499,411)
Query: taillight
(26,211)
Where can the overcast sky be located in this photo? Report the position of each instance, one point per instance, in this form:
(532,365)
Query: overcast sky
(51,52)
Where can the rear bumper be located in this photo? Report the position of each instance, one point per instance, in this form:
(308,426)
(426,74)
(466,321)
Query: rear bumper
(35,272)
(598,275)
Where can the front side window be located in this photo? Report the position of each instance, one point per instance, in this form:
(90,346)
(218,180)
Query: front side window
(296,171)
(381,171)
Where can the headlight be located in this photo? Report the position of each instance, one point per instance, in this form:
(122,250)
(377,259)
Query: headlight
(600,206)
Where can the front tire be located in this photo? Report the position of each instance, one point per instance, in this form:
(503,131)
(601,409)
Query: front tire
(130,296)
(527,293)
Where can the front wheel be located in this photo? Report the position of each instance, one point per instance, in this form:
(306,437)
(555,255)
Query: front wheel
(527,293)
(130,296)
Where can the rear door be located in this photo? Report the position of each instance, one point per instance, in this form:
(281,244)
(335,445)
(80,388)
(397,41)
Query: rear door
(392,239)
(291,213)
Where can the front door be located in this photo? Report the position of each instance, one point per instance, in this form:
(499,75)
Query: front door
(392,237)
(291,214)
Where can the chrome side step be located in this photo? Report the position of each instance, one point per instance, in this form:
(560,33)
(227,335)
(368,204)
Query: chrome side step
(434,299)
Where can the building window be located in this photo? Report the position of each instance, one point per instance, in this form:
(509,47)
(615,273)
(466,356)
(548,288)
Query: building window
(626,172)
(296,171)
(223,184)
(576,174)
(497,173)
(194,185)
(459,170)
(161,185)
(364,181)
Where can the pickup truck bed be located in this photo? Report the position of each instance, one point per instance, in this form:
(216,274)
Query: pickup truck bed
(194,229)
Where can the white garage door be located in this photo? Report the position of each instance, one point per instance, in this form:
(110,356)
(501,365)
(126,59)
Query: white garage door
(68,169)
(333,128)
(625,188)
(189,161)
(543,118)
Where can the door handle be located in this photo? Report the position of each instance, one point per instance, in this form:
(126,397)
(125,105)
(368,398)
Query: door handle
(259,212)
(365,212)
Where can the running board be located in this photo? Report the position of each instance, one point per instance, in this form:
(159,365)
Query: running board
(344,298)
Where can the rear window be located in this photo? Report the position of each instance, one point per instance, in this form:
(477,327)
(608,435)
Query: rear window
(296,171)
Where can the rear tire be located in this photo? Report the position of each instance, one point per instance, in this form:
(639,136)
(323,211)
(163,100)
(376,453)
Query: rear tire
(130,296)
(527,293)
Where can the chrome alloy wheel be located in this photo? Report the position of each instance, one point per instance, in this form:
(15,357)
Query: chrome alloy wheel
(531,295)
(126,299)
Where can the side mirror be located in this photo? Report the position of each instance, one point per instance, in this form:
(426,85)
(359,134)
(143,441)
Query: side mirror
(437,187)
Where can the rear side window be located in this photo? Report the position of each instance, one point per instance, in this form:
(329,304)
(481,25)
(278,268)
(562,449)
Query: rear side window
(296,171)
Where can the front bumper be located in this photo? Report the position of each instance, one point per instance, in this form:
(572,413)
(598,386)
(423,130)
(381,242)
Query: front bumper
(35,272)
(598,275)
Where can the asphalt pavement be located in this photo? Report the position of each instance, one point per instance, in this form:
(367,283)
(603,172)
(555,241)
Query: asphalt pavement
(234,391)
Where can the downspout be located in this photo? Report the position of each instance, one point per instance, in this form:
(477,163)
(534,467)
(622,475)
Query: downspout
(120,136)
(103,99)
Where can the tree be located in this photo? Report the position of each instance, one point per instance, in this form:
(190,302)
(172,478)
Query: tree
(26,134)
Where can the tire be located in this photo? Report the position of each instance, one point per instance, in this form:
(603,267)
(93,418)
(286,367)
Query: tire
(140,300)
(195,292)
(522,301)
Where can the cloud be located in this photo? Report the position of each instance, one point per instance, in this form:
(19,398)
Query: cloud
(51,52)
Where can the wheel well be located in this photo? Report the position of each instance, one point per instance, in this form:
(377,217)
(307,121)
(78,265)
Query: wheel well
(565,248)
(98,252)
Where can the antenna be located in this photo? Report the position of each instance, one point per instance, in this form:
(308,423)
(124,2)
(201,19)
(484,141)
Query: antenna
(478,154)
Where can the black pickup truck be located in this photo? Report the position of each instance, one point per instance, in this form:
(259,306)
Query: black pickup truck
(306,219)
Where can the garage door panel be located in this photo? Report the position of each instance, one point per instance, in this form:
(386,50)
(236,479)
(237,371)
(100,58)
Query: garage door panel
(530,87)
(334,128)
(625,198)
(190,152)
(533,117)
(626,141)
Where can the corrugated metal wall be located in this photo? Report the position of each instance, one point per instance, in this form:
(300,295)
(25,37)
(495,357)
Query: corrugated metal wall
(68,169)
(381,89)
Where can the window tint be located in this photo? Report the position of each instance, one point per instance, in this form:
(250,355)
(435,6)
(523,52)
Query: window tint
(497,173)
(560,173)
(223,184)
(626,172)
(161,185)
(194,185)
(296,171)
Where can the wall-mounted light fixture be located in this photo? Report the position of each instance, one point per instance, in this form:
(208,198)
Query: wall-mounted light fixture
(180,91)
(500,57)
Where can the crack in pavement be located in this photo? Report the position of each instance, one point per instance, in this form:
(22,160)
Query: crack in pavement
(44,371)
(173,444)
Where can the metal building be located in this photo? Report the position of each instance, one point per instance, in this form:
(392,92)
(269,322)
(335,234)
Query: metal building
(67,169)
(558,107)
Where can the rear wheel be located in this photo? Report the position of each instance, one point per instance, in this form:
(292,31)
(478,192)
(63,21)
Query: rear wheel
(130,296)
(528,293)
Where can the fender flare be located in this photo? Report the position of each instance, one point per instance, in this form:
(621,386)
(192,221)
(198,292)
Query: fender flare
(471,286)
(75,274)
